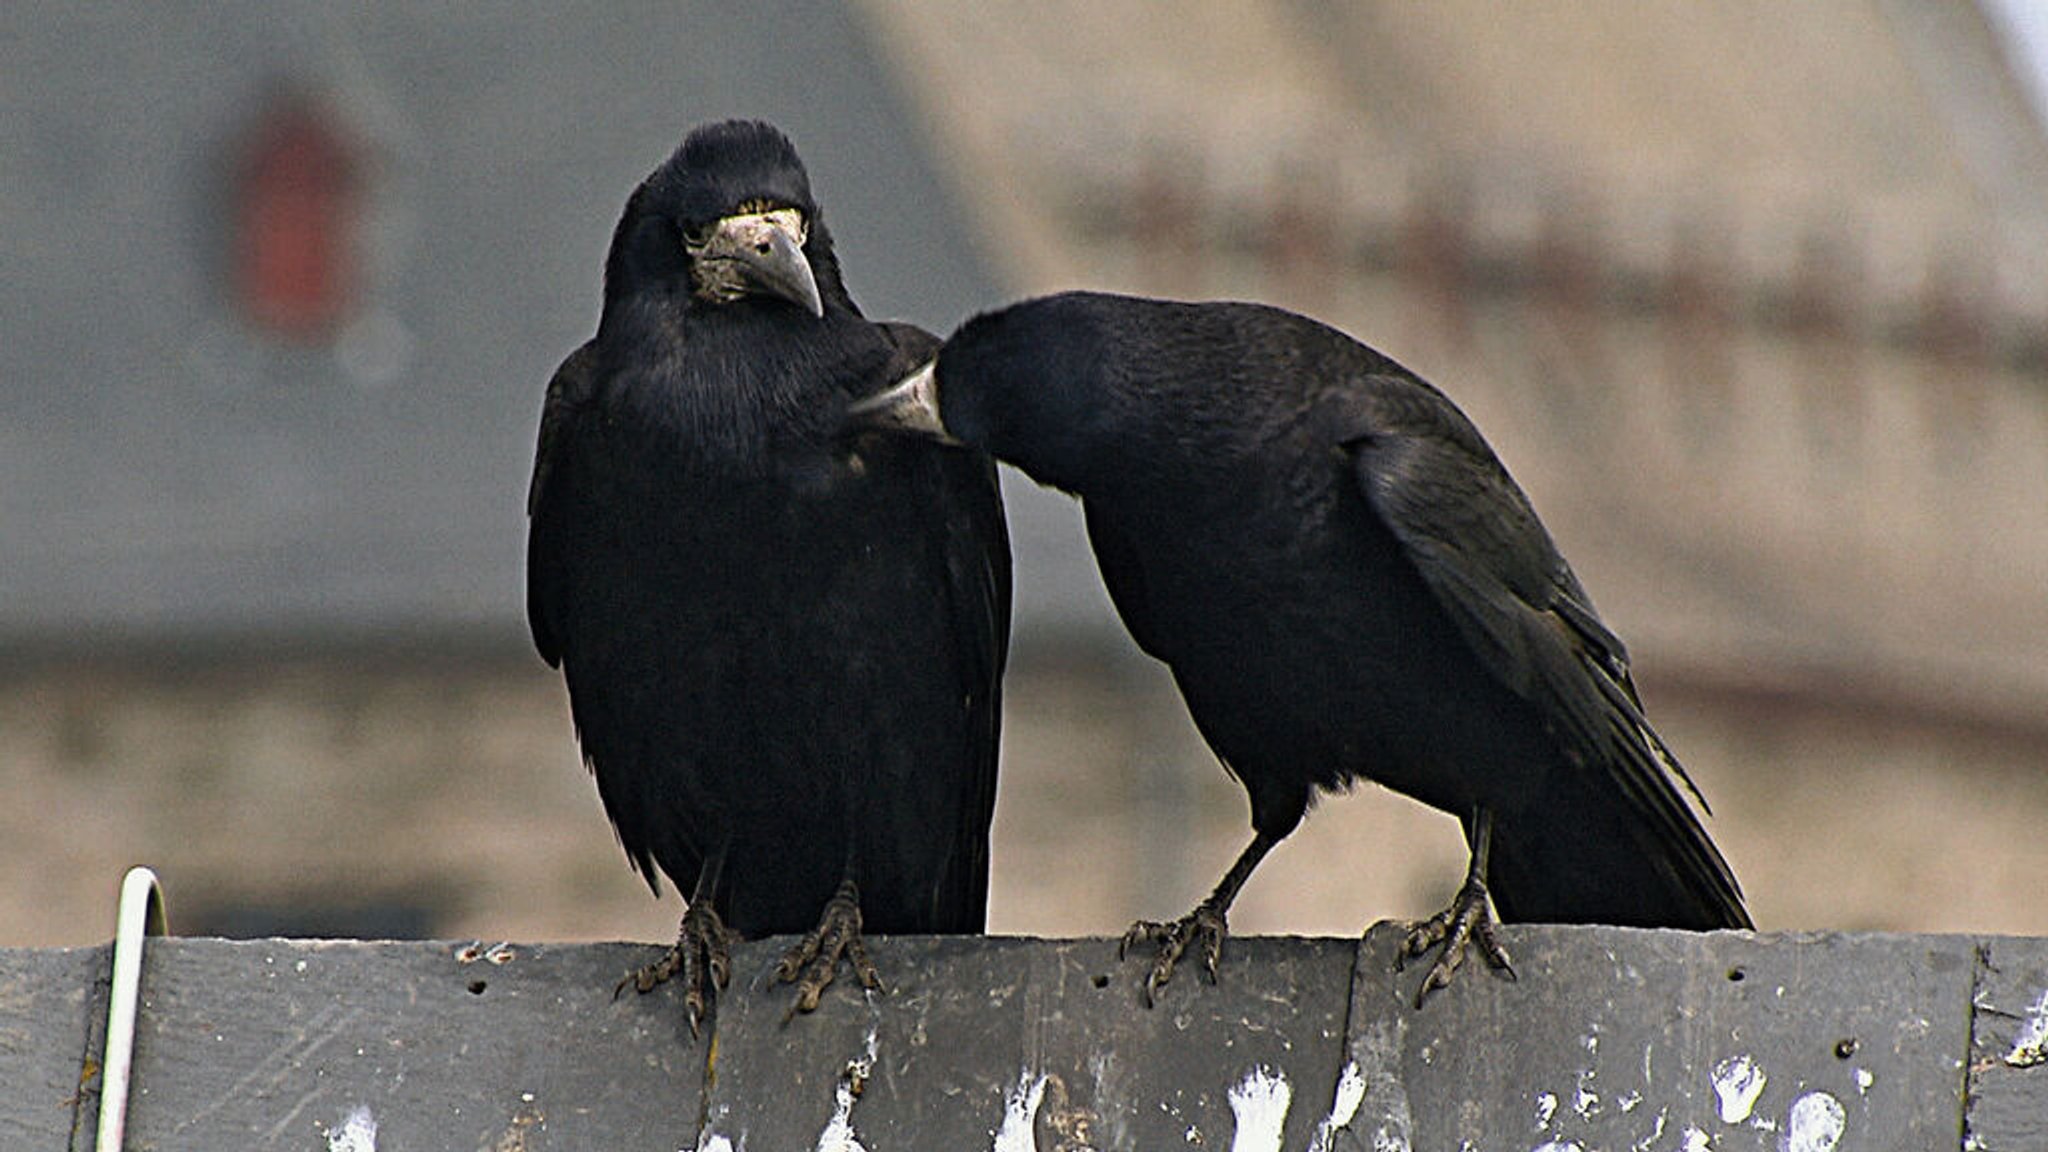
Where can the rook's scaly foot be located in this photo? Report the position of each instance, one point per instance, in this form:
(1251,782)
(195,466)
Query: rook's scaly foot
(701,954)
(1466,921)
(1205,925)
(814,961)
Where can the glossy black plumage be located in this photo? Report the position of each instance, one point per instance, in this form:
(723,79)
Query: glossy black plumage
(1346,584)
(783,648)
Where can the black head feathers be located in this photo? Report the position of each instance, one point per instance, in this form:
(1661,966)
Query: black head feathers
(731,166)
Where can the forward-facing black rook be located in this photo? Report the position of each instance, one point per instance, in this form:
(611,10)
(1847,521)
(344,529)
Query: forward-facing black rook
(784,648)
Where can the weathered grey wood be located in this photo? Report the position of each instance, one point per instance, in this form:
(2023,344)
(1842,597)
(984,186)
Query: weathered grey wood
(282,1044)
(1611,1039)
(2008,1106)
(995,1043)
(48,1003)
(1621,1039)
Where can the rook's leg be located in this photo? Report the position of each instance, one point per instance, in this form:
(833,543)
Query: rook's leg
(1206,925)
(1466,921)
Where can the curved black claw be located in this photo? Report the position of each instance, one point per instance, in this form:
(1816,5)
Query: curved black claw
(1465,922)
(1205,925)
(701,954)
(814,961)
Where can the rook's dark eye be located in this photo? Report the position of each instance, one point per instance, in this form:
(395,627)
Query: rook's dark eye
(694,235)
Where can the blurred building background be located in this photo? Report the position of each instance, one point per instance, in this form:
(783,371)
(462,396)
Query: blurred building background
(1752,299)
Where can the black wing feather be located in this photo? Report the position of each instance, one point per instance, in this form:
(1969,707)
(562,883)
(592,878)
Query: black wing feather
(568,392)
(1473,536)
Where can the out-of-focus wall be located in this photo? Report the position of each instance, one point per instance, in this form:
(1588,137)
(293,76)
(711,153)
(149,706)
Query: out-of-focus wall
(409,795)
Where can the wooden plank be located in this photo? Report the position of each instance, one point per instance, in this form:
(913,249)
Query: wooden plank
(1622,1039)
(1611,1039)
(1012,1044)
(2008,1101)
(50,1000)
(293,1044)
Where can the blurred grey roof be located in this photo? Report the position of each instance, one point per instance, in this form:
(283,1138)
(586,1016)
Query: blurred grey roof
(167,469)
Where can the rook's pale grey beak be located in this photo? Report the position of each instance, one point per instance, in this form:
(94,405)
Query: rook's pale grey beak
(910,406)
(766,251)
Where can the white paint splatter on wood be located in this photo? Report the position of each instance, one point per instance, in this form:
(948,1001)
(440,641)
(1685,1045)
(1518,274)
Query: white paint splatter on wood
(1259,1103)
(838,1135)
(357,1132)
(2030,1047)
(1020,1113)
(1738,1081)
(1815,1124)
(1343,1106)
(1656,1134)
